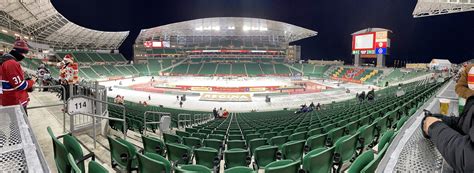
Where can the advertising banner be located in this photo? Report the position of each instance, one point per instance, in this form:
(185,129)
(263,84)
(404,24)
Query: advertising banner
(226,97)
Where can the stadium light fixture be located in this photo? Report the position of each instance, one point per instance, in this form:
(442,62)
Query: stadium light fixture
(26,37)
(199,28)
(17,34)
(246,28)
(216,28)
(5,31)
(263,29)
(231,28)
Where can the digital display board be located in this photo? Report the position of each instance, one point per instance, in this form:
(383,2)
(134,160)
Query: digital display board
(363,42)
(370,43)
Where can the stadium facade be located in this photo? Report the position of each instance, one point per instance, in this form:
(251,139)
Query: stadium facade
(224,37)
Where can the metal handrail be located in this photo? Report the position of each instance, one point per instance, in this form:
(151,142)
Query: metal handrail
(52,105)
(97,116)
(160,114)
(199,119)
(103,117)
(185,120)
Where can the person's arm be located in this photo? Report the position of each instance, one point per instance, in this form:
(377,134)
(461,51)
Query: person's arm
(456,149)
(462,88)
(15,77)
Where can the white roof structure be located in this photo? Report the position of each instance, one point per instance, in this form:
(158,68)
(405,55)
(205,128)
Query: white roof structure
(41,21)
(228,26)
(425,8)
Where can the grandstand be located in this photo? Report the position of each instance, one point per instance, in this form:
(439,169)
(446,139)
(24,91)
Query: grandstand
(165,123)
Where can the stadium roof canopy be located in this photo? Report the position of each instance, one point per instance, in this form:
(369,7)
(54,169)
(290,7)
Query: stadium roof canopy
(228,26)
(41,21)
(425,8)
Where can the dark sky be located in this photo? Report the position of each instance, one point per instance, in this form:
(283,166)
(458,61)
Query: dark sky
(413,39)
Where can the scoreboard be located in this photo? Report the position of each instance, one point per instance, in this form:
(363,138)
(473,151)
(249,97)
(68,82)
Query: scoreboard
(371,43)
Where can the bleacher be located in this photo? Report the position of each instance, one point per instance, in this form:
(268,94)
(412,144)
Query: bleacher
(399,75)
(347,136)
(358,75)
(92,57)
(7,38)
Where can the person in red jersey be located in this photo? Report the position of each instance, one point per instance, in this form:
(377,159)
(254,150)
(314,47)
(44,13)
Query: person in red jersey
(13,90)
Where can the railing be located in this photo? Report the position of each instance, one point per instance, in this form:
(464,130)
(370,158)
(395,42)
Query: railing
(95,117)
(187,119)
(145,122)
(63,89)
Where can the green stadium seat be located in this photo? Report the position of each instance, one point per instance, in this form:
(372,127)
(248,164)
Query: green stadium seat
(318,160)
(192,169)
(264,155)
(314,142)
(170,138)
(254,143)
(232,144)
(282,166)
(153,145)
(236,157)
(192,142)
(123,154)
(151,162)
(216,136)
(297,136)
(362,161)
(385,139)
(239,169)
(213,143)
(179,153)
(278,141)
(345,148)
(293,150)
(207,156)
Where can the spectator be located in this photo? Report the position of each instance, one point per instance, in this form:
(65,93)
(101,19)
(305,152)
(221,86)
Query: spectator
(177,98)
(362,96)
(149,97)
(180,104)
(454,136)
(214,111)
(225,114)
(139,102)
(43,74)
(371,95)
(318,106)
(400,92)
(145,103)
(220,112)
(311,105)
(68,75)
(13,82)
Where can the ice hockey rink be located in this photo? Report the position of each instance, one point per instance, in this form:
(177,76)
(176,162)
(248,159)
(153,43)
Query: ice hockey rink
(278,102)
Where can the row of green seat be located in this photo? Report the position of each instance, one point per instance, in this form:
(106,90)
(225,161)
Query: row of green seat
(92,57)
(285,142)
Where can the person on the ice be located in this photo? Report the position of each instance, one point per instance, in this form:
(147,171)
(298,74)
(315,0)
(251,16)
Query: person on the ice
(14,86)
(68,74)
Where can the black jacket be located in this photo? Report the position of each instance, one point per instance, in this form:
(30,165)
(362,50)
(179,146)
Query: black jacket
(454,138)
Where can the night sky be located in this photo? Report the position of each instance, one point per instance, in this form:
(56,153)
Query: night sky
(413,39)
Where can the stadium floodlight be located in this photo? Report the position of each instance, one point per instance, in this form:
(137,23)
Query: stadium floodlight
(5,31)
(199,28)
(425,8)
(26,37)
(246,28)
(263,29)
(216,28)
(17,34)
(231,28)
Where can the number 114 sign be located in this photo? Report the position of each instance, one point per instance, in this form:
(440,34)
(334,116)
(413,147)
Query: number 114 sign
(79,105)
